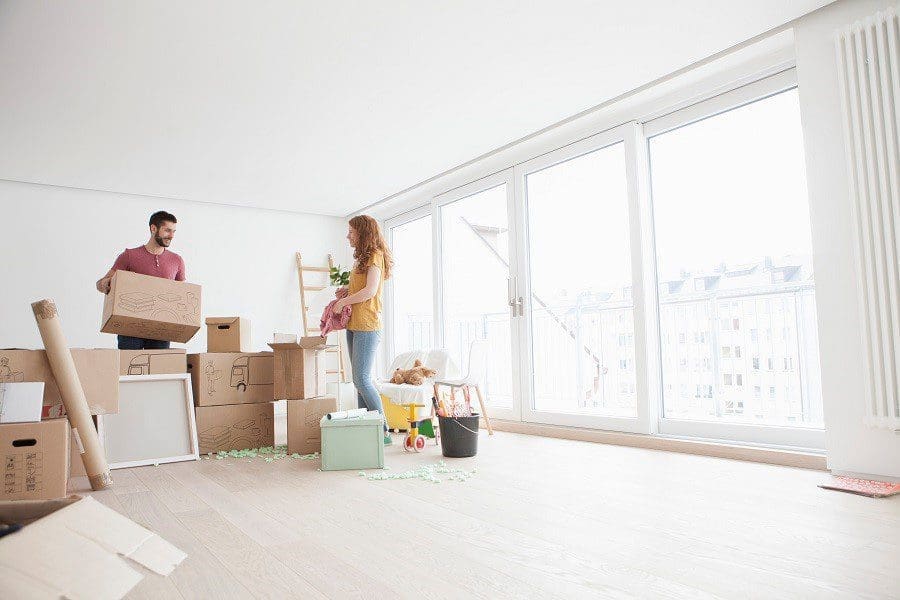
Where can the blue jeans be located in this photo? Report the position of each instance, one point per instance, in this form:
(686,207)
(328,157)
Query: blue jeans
(126,342)
(362,346)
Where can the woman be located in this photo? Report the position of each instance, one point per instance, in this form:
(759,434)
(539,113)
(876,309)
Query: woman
(372,266)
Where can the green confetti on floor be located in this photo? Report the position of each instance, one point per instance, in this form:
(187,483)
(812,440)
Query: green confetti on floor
(269,453)
(429,473)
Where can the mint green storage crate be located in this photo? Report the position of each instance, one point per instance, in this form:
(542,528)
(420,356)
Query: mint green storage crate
(353,443)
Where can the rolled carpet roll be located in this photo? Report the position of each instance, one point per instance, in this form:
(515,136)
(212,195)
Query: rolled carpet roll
(72,394)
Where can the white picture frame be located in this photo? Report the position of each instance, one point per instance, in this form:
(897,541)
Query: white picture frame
(155,423)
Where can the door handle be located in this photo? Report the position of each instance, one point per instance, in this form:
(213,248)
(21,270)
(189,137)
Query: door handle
(516,302)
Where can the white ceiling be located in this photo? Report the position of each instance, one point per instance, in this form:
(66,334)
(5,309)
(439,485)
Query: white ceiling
(321,107)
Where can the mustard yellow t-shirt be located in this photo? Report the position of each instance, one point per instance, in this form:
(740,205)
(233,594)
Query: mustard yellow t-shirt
(366,315)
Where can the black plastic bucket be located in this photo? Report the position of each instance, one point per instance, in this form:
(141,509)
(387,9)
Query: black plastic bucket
(459,436)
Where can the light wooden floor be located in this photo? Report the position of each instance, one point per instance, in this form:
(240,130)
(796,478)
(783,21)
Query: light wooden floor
(543,517)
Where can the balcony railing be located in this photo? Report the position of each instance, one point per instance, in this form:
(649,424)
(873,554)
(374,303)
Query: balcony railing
(584,360)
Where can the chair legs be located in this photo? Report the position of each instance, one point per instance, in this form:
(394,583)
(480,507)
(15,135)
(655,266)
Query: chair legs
(434,405)
(466,392)
(487,420)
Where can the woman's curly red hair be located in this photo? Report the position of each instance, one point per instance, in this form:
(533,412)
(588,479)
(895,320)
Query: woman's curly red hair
(369,241)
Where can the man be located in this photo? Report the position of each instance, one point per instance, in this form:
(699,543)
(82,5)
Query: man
(154,259)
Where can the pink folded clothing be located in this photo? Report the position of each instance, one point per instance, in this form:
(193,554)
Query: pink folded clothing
(333,322)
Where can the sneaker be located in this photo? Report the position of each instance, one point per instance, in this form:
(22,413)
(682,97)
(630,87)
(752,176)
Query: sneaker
(388,440)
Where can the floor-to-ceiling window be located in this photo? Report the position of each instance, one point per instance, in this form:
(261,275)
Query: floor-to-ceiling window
(580,270)
(737,309)
(412,301)
(475,259)
(654,277)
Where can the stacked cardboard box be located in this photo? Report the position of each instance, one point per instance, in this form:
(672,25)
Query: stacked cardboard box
(300,379)
(233,389)
(98,371)
(35,460)
(40,450)
(34,452)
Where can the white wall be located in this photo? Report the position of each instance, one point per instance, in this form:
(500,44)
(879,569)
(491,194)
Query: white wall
(851,446)
(56,242)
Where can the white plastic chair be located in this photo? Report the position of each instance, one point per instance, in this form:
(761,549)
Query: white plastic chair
(475,377)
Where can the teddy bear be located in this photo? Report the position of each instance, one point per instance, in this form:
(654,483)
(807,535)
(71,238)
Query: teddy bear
(414,376)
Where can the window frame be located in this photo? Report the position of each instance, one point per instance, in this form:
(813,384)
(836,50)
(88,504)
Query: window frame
(795,436)
(655,118)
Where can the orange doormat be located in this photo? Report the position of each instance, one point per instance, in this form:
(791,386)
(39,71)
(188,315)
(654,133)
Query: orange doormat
(863,487)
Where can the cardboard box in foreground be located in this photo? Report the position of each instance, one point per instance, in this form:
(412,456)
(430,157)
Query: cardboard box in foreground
(35,460)
(77,548)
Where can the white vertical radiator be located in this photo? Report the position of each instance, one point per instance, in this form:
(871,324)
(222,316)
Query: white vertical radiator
(869,72)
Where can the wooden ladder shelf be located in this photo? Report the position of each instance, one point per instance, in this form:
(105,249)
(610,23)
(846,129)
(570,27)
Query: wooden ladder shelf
(304,311)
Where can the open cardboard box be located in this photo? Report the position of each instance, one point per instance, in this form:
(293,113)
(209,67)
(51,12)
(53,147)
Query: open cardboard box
(299,369)
(76,548)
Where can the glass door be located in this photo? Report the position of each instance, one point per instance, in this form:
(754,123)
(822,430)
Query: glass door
(737,301)
(477,263)
(583,350)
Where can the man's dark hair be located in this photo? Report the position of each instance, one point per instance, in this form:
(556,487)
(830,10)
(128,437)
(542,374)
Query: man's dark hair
(160,217)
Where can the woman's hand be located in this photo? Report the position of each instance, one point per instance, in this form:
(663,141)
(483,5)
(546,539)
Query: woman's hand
(339,306)
(341,292)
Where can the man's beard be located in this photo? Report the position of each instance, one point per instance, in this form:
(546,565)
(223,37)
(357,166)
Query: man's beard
(163,241)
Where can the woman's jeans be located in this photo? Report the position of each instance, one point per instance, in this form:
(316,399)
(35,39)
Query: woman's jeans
(362,346)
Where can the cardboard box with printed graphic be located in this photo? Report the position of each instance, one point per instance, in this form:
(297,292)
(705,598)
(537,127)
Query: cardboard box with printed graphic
(152,362)
(299,370)
(303,432)
(35,460)
(222,378)
(98,371)
(151,307)
(235,427)
(228,334)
